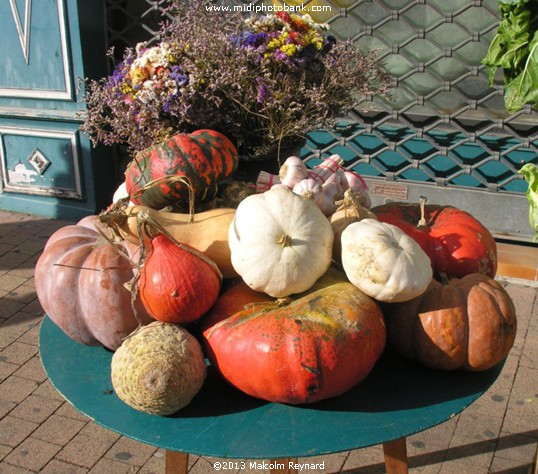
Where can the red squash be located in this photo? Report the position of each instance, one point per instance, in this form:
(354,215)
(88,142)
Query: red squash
(185,165)
(80,281)
(455,241)
(318,346)
(177,283)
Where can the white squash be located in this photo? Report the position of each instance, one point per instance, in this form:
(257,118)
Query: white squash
(384,262)
(280,242)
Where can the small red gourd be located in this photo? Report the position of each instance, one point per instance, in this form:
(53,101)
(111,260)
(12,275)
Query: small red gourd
(455,241)
(80,282)
(468,323)
(318,346)
(185,165)
(177,283)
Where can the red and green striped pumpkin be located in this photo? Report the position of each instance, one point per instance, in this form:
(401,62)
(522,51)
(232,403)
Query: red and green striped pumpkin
(202,158)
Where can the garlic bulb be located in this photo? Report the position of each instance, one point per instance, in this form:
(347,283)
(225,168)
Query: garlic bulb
(308,188)
(339,179)
(357,184)
(326,200)
(292,171)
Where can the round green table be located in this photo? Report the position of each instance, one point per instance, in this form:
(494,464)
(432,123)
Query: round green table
(399,398)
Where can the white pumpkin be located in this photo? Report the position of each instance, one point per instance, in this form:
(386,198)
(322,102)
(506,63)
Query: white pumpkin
(384,262)
(280,242)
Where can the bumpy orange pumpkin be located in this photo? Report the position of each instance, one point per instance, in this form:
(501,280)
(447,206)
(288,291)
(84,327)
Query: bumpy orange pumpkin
(80,278)
(318,346)
(200,160)
(468,323)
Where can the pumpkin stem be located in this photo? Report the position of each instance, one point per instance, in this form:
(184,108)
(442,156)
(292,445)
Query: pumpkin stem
(443,278)
(285,240)
(422,202)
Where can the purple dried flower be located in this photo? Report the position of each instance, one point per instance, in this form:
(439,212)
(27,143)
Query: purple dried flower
(263,90)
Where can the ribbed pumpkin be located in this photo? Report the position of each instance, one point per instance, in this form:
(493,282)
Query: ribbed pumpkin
(468,323)
(166,173)
(456,242)
(80,278)
(177,283)
(318,346)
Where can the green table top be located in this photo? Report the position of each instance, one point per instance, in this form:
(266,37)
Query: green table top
(399,398)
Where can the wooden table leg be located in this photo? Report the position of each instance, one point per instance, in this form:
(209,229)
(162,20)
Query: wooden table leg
(282,466)
(176,462)
(396,456)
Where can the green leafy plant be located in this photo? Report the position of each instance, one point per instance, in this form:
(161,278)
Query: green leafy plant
(530,173)
(515,49)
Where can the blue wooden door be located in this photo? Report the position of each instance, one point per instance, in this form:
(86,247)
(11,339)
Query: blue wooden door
(48,166)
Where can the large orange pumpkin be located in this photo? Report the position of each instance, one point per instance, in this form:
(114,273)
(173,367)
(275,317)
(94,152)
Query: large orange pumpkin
(468,323)
(318,346)
(80,282)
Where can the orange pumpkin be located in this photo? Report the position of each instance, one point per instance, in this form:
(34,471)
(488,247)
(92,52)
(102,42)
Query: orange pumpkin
(80,282)
(468,323)
(177,283)
(169,172)
(318,346)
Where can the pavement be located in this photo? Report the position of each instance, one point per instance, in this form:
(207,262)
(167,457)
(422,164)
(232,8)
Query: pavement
(41,432)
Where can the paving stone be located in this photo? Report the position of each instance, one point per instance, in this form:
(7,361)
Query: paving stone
(530,360)
(108,466)
(32,454)
(369,460)
(6,247)
(60,467)
(30,247)
(6,468)
(16,389)
(22,294)
(59,429)
(100,433)
(517,447)
(9,307)
(47,390)
(129,451)
(30,337)
(11,260)
(465,451)
(34,308)
(5,407)
(18,353)
(155,464)
(14,430)
(84,450)
(67,410)
(33,370)
(4,451)
(6,369)
(36,408)
(510,466)
(328,463)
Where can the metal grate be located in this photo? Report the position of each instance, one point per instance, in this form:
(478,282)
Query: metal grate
(443,130)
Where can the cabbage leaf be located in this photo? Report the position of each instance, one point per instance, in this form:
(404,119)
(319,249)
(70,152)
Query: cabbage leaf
(514,49)
(530,173)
